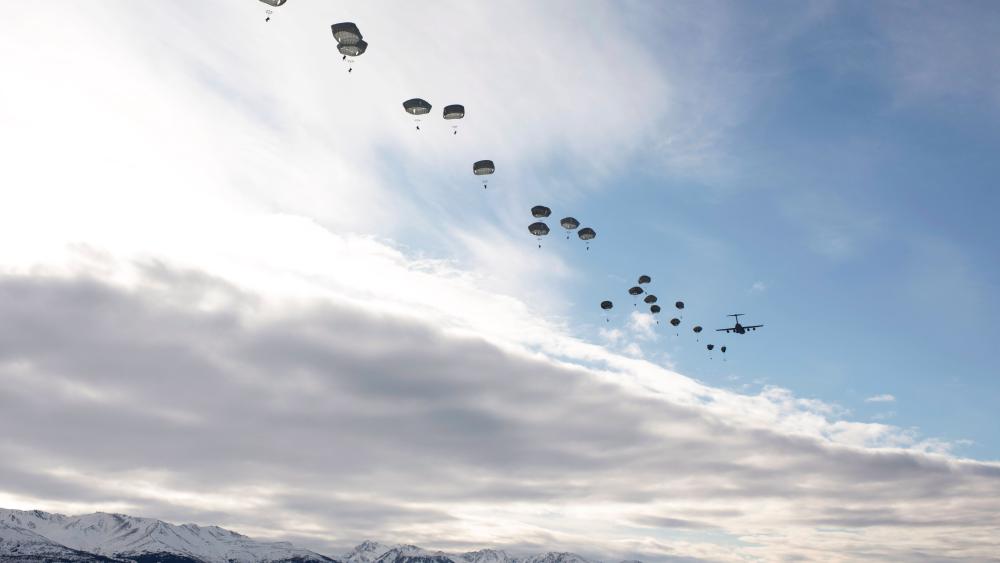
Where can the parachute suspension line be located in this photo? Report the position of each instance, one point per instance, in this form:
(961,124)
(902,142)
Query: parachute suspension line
(268,18)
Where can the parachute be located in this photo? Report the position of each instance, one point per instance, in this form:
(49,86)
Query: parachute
(635,291)
(540,211)
(697,330)
(722,349)
(644,279)
(353,50)
(679,304)
(417,107)
(570,224)
(650,299)
(655,309)
(538,229)
(607,305)
(346,33)
(483,168)
(675,321)
(586,234)
(710,347)
(454,111)
(274,3)
(349,42)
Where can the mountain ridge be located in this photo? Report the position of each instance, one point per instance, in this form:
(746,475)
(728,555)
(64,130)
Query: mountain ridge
(100,537)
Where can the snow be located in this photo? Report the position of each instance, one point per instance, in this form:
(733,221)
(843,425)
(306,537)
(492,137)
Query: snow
(119,535)
(37,536)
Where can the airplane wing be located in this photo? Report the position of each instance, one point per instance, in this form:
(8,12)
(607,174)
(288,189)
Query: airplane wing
(724,329)
(752,326)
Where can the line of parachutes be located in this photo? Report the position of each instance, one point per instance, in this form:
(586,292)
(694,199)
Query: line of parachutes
(351,45)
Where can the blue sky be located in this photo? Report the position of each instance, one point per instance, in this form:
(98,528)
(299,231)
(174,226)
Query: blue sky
(853,183)
(867,218)
(206,219)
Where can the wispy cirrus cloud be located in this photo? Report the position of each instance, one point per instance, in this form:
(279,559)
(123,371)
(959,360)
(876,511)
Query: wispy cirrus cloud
(883,398)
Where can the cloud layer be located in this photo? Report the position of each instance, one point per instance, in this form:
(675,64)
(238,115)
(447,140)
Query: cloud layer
(187,397)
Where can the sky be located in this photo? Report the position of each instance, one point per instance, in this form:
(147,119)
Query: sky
(239,288)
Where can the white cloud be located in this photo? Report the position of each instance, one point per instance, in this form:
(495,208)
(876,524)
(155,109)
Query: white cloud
(316,411)
(883,398)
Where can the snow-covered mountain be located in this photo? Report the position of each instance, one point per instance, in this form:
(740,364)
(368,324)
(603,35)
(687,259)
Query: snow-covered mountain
(18,544)
(374,552)
(365,552)
(41,536)
(487,556)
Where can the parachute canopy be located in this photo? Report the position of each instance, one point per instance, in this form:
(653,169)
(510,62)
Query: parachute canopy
(586,233)
(540,211)
(644,279)
(274,2)
(675,321)
(416,106)
(635,290)
(538,229)
(722,349)
(454,111)
(569,223)
(654,309)
(353,49)
(346,33)
(483,167)
(697,328)
(710,346)
(679,304)
(606,305)
(650,299)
